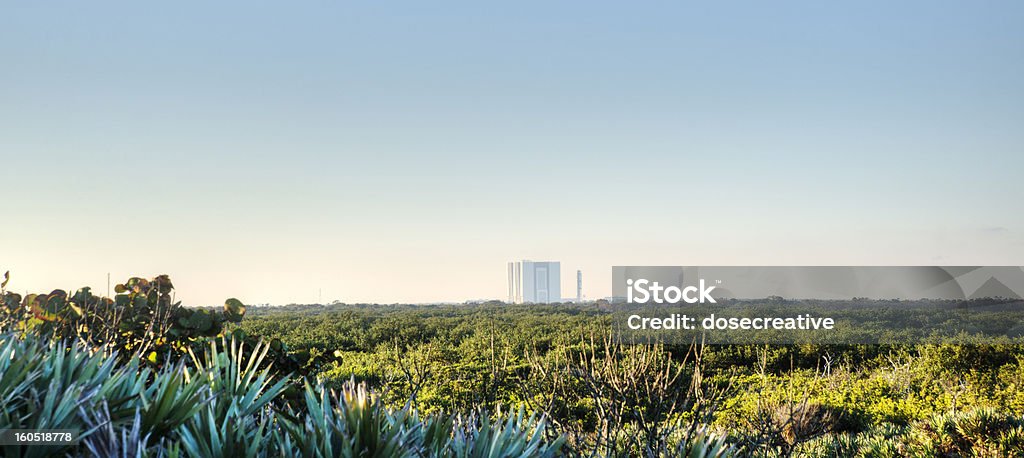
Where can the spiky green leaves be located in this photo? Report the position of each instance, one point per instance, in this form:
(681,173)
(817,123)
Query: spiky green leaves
(227,403)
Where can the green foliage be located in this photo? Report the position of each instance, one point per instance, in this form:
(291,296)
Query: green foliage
(47,385)
(705,444)
(236,420)
(807,400)
(234,310)
(144,376)
(142,320)
(352,423)
(225,403)
(978,432)
(170,401)
(481,436)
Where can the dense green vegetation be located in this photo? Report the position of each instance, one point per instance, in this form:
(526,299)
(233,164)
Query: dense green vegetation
(224,405)
(140,375)
(613,397)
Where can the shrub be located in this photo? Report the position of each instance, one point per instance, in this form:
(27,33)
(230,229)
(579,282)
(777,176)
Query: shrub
(225,403)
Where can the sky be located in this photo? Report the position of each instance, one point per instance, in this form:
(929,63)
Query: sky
(386,152)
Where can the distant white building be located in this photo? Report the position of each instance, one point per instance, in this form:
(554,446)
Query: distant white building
(579,286)
(531,282)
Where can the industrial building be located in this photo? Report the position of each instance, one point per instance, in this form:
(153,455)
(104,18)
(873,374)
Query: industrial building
(534,282)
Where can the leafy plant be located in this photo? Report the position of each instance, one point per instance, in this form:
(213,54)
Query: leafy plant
(481,436)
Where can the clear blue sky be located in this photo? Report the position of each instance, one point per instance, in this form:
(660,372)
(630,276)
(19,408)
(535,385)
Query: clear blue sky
(404,151)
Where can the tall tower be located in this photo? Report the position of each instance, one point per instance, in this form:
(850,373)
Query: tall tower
(511,284)
(579,286)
